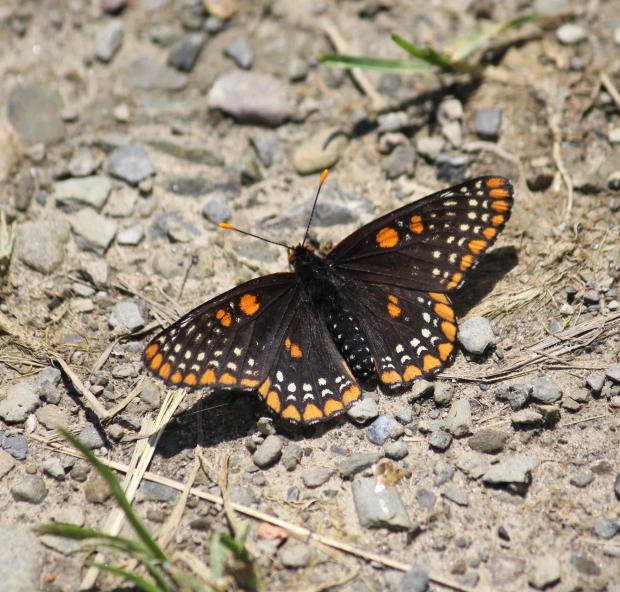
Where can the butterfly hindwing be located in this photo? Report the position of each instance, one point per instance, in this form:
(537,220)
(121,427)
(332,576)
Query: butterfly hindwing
(429,245)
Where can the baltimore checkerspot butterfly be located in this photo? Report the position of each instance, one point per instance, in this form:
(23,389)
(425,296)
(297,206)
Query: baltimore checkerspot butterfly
(376,308)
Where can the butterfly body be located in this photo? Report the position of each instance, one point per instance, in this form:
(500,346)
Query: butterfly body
(376,306)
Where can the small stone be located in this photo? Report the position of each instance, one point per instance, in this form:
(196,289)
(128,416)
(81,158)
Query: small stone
(131,163)
(363,411)
(358,462)
(400,162)
(268,453)
(606,528)
(452,166)
(322,150)
(459,496)
(31,489)
(251,98)
(217,209)
(476,335)
(571,34)
(614,135)
(550,413)
(544,391)
(443,471)
(126,370)
(295,555)
(241,52)
(266,147)
(379,506)
(16,446)
(53,467)
(25,188)
(381,429)
(96,490)
(151,395)
(109,40)
(487,123)
(316,476)
(443,394)
(146,74)
(488,441)
(570,405)
(130,236)
(420,389)
(393,121)
(453,132)
(90,437)
(450,109)
(527,418)
(93,231)
(158,492)
(41,244)
(20,401)
(415,580)
(617,486)
(21,560)
(74,194)
(613,373)
(425,498)
(80,472)
(185,53)
(545,572)
(430,147)
(440,440)
(518,395)
(127,314)
(7,462)
(396,450)
(404,415)
(513,472)
(292,456)
(585,565)
(582,479)
(591,297)
(459,421)
(122,203)
(83,163)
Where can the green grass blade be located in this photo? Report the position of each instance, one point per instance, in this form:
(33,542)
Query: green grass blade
(119,496)
(412,66)
(218,555)
(425,54)
(135,579)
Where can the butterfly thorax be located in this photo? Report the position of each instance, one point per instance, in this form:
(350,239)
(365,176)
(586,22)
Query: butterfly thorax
(322,286)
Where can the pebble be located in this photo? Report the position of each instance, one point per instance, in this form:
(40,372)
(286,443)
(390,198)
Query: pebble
(241,52)
(476,335)
(121,203)
(316,476)
(526,418)
(21,559)
(268,453)
(453,132)
(585,565)
(512,472)
(151,395)
(7,462)
(430,147)
(266,147)
(459,421)
(606,528)
(53,467)
(349,467)
(443,471)
(322,150)
(91,437)
(443,393)
(25,190)
(158,492)
(393,121)
(251,97)
(20,401)
(74,194)
(186,51)
(217,209)
(109,40)
(131,163)
(544,572)
(47,383)
(30,489)
(415,580)
(613,373)
(363,411)
(425,498)
(488,441)
(571,34)
(130,236)
(452,166)
(83,163)
(544,391)
(291,456)
(396,450)
(614,135)
(145,74)
(617,486)
(127,313)
(400,162)
(518,395)
(34,112)
(41,244)
(487,123)
(16,446)
(80,472)
(381,429)
(570,405)
(96,490)
(420,389)
(459,496)
(582,479)
(297,69)
(379,506)
(93,232)
(295,555)
(551,414)
(440,440)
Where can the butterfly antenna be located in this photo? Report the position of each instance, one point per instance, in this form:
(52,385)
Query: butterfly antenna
(230,227)
(322,180)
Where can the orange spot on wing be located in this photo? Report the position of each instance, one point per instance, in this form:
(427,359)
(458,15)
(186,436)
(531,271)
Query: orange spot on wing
(165,370)
(439,297)
(477,246)
(227,378)
(430,362)
(416,225)
(499,193)
(176,377)
(390,377)
(445,349)
(351,394)
(497,220)
(495,182)
(273,401)
(489,233)
(249,382)
(190,379)
(223,317)
(293,348)
(332,406)
(500,206)
(291,413)
(454,281)
(449,330)
(312,412)
(208,377)
(263,389)
(466,262)
(151,350)
(444,311)
(387,237)
(248,304)
(156,361)
(411,372)
(393,310)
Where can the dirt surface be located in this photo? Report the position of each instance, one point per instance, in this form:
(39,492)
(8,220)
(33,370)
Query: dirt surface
(75,91)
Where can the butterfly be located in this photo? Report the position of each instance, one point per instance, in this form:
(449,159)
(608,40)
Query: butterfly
(376,309)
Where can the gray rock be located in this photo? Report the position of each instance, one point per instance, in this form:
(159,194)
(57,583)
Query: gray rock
(582,479)
(415,580)
(453,132)
(425,498)
(158,492)
(316,476)
(186,51)
(474,464)
(617,486)
(291,456)
(297,69)
(452,166)
(47,384)
(241,52)
(527,418)
(362,411)
(130,236)
(450,109)
(16,446)
(443,471)
(440,440)
(41,244)
(379,506)
(131,163)
(7,462)
(613,373)
(430,147)
(544,391)
(268,453)
(250,97)
(266,147)
(513,472)
(420,389)
(217,209)
(459,421)
(404,415)
(80,472)
(93,232)
(381,429)
(487,123)
(322,150)
(151,395)
(349,467)
(393,121)
(396,450)
(544,572)
(571,34)
(83,162)
(570,405)
(128,314)
(585,565)
(400,162)
(476,335)
(146,74)
(34,113)
(74,194)
(595,382)
(459,496)
(245,496)
(443,393)
(21,560)
(21,399)
(53,467)
(518,395)
(125,370)
(295,555)
(25,190)
(31,489)
(91,437)
(488,441)
(606,528)
(122,202)
(109,40)
(60,544)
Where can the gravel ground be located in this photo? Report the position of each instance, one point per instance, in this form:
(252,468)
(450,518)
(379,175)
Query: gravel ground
(128,132)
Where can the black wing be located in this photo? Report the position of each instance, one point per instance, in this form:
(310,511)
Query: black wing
(429,244)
